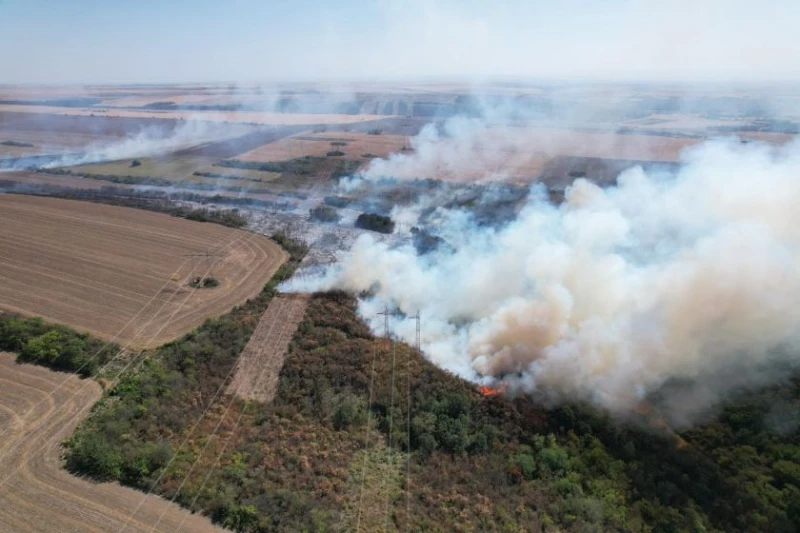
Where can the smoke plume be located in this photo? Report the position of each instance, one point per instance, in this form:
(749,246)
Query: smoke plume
(147,142)
(681,285)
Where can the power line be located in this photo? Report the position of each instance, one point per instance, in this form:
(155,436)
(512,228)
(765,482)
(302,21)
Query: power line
(408,420)
(366,442)
(204,256)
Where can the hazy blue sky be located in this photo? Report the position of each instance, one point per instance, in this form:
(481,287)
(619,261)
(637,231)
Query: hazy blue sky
(277,40)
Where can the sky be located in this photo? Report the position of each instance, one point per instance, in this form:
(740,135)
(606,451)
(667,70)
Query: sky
(150,41)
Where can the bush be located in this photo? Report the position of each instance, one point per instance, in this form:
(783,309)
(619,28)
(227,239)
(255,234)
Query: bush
(323,213)
(92,455)
(337,201)
(335,153)
(425,242)
(207,282)
(526,465)
(136,163)
(227,217)
(375,222)
(55,346)
(16,144)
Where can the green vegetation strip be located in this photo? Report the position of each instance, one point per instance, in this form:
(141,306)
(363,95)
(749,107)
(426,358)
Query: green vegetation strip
(52,345)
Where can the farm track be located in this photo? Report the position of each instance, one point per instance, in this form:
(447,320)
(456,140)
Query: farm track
(265,352)
(94,267)
(41,496)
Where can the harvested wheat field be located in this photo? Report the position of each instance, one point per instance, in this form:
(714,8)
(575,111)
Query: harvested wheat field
(260,364)
(122,273)
(40,408)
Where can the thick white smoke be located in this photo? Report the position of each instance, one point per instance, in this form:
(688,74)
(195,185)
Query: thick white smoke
(615,293)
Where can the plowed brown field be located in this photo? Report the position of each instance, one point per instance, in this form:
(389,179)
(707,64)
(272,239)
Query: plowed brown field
(121,273)
(36,493)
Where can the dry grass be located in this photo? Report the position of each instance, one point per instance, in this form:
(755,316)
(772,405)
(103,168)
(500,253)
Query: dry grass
(37,178)
(50,141)
(170,167)
(319,144)
(39,408)
(260,363)
(178,168)
(121,272)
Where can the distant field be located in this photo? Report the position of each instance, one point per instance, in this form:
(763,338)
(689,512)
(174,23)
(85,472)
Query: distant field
(47,141)
(354,145)
(254,117)
(503,152)
(38,178)
(14,151)
(40,408)
(169,166)
(524,154)
(121,272)
(178,168)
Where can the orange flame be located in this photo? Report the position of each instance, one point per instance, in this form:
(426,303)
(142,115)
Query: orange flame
(489,391)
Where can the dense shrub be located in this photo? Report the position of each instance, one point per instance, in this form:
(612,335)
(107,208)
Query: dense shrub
(16,144)
(55,346)
(375,222)
(227,217)
(301,165)
(337,201)
(324,213)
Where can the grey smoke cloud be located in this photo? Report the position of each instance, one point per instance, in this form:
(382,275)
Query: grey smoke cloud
(616,292)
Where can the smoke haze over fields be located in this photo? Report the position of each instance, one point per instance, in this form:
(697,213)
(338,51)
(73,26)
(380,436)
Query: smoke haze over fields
(677,283)
(688,281)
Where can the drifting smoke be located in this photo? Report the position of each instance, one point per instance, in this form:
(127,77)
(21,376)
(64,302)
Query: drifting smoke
(682,287)
(147,142)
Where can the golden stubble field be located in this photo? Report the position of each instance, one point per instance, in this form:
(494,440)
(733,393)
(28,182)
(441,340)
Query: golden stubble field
(40,408)
(121,273)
